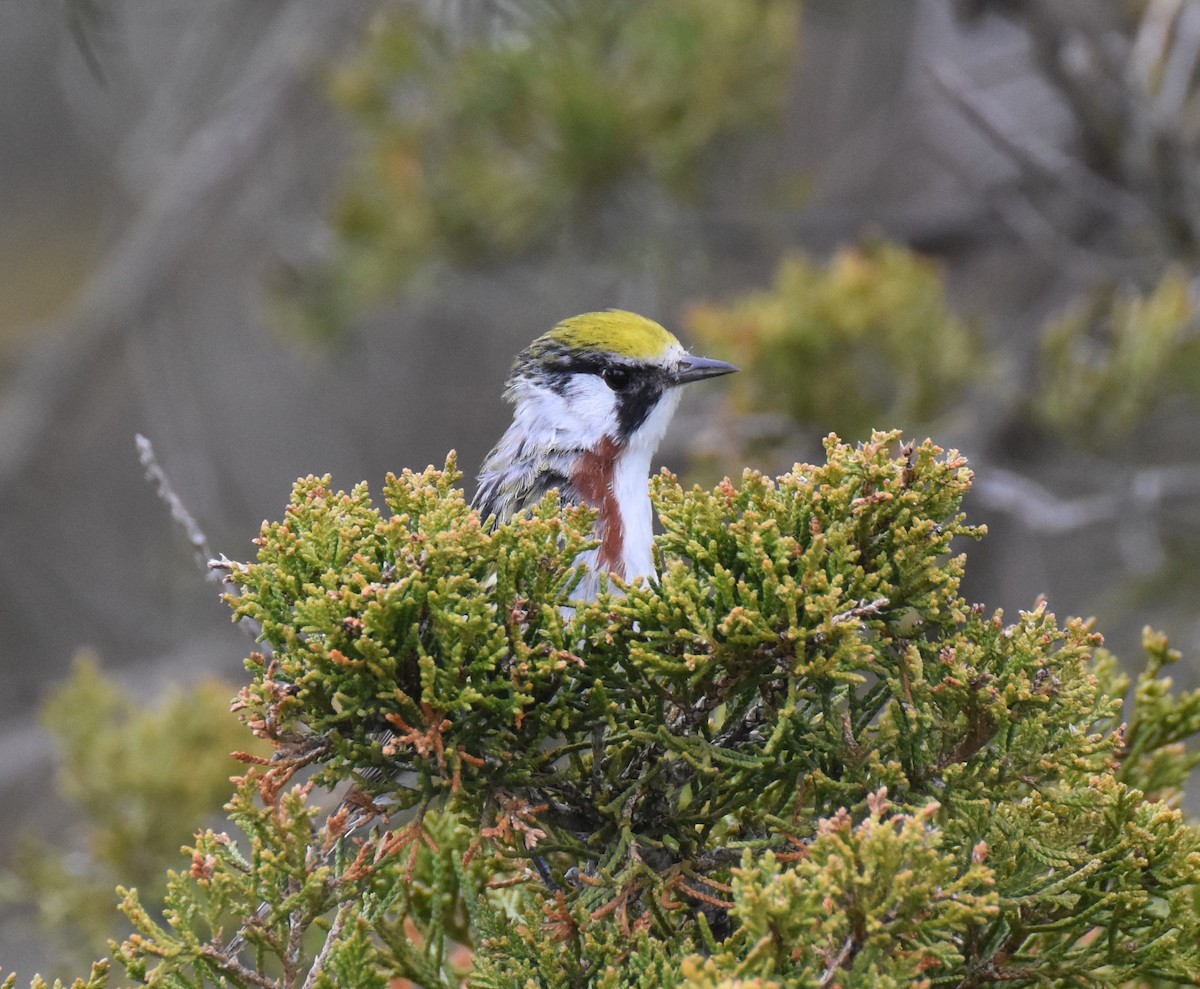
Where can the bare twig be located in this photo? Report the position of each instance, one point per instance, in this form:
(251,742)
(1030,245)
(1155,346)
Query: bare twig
(184,518)
(850,948)
(216,570)
(230,951)
(1164,57)
(335,931)
(1043,165)
(1039,508)
(1042,511)
(238,969)
(861,610)
(1127,509)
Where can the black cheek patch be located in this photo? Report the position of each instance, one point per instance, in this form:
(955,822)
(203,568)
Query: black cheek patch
(635,401)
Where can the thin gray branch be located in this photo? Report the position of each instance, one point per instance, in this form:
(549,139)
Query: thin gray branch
(1040,510)
(1034,158)
(861,610)
(248,975)
(218,569)
(184,518)
(335,932)
(850,948)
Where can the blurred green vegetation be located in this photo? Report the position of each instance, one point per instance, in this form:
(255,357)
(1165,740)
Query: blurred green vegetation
(869,337)
(1111,359)
(474,149)
(139,781)
(864,339)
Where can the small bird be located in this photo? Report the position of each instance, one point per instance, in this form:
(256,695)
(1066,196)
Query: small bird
(592,400)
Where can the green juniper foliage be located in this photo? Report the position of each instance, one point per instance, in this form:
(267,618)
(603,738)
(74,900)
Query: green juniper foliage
(800,759)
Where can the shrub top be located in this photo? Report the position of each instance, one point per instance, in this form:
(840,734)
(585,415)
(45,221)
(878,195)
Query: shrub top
(800,757)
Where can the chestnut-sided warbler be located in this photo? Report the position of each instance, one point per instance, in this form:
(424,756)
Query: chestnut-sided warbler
(592,400)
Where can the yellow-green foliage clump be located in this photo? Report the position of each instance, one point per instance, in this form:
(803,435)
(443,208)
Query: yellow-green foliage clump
(866,338)
(801,758)
(1106,364)
(476,148)
(139,780)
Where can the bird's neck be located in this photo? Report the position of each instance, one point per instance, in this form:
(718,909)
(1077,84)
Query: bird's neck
(614,480)
(631,486)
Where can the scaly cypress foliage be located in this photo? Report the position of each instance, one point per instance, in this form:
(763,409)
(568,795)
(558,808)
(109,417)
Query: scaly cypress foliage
(801,759)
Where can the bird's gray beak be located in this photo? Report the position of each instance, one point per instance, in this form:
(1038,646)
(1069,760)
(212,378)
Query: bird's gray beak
(698,368)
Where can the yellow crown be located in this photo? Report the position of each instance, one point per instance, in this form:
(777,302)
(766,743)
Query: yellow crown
(617,332)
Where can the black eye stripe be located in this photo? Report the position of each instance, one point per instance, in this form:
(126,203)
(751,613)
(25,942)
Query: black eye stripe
(614,373)
(634,399)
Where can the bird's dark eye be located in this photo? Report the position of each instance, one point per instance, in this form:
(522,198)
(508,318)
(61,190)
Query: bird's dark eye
(615,377)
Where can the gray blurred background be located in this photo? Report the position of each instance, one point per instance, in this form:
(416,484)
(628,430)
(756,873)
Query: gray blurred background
(161,163)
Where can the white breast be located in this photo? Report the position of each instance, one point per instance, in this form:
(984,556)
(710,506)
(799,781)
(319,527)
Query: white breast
(631,485)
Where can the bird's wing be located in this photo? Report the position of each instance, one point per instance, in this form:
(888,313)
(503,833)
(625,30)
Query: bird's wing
(504,493)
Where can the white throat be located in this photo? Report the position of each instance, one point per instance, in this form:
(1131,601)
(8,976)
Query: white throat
(631,488)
